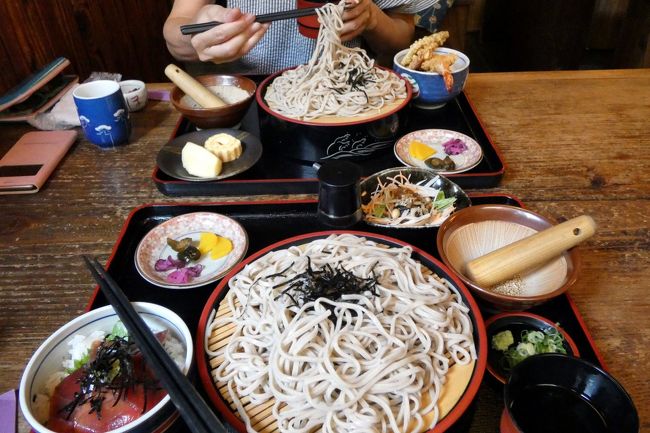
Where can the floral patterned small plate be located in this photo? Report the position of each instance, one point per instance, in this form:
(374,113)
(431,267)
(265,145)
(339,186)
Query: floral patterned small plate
(435,138)
(154,247)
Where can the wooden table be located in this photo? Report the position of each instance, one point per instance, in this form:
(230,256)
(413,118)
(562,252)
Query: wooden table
(574,143)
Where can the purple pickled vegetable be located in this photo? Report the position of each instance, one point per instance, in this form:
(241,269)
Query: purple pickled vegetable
(455,146)
(195,271)
(184,275)
(168,263)
(179,276)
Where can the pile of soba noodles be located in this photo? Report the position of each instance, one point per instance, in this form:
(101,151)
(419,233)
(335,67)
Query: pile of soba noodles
(373,360)
(338,80)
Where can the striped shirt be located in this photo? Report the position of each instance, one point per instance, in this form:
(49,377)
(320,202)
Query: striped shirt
(283,46)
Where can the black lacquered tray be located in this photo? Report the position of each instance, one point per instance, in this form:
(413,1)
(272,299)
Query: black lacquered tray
(274,174)
(268,222)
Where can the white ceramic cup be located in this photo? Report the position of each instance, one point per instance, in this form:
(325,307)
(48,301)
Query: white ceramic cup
(135,94)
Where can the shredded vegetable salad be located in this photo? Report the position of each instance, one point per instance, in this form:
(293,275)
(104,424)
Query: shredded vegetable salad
(399,202)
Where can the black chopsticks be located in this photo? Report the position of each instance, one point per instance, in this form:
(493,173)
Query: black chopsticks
(194,410)
(192,29)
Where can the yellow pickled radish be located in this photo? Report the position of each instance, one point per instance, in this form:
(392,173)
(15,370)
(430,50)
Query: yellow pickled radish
(420,151)
(216,245)
(221,249)
(207,242)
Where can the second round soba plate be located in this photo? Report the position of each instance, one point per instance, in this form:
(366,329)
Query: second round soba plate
(218,325)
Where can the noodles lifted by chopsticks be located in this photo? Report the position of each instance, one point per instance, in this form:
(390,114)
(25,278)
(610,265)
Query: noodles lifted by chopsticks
(370,361)
(338,80)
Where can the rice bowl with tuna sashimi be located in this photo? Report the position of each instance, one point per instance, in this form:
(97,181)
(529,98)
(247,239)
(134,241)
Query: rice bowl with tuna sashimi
(89,376)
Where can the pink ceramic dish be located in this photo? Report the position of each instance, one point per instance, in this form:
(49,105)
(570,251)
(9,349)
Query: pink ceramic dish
(154,247)
(435,139)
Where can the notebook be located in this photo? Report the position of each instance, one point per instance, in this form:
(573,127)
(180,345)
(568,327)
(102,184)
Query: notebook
(37,93)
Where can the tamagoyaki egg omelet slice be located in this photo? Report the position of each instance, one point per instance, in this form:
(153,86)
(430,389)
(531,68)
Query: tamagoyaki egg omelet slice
(224,146)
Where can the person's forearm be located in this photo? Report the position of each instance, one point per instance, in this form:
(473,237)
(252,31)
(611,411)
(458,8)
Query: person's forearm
(178,44)
(390,32)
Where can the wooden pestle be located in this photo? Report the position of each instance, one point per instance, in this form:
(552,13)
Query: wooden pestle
(194,89)
(504,263)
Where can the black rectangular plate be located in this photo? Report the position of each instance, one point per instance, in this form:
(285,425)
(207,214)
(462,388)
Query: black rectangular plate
(276,175)
(269,222)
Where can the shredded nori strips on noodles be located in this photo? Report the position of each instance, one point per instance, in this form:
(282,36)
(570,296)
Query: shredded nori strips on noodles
(326,282)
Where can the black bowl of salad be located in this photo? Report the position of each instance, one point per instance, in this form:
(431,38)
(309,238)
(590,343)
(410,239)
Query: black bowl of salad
(409,197)
(513,337)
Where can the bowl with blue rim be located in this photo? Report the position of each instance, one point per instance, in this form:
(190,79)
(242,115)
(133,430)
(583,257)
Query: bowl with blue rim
(429,88)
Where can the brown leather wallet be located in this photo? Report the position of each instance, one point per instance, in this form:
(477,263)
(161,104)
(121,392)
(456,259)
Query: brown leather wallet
(28,164)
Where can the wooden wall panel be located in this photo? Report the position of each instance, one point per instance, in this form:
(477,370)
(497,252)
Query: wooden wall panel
(633,45)
(475,18)
(536,34)
(606,23)
(96,35)
(126,35)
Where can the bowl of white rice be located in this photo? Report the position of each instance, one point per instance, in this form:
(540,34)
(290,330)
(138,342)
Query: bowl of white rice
(74,347)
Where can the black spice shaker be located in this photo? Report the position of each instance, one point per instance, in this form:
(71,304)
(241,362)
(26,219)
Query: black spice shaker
(339,200)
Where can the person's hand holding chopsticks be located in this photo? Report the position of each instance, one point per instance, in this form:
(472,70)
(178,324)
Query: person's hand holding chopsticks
(196,30)
(232,39)
(359,16)
(384,31)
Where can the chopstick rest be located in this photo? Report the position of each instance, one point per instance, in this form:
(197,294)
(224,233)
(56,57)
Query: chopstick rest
(192,29)
(195,412)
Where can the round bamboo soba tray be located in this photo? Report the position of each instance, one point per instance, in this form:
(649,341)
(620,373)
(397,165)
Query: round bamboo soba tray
(462,381)
(332,137)
(387,109)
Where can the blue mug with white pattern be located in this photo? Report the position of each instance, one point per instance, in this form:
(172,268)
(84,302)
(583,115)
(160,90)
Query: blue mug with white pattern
(103,113)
